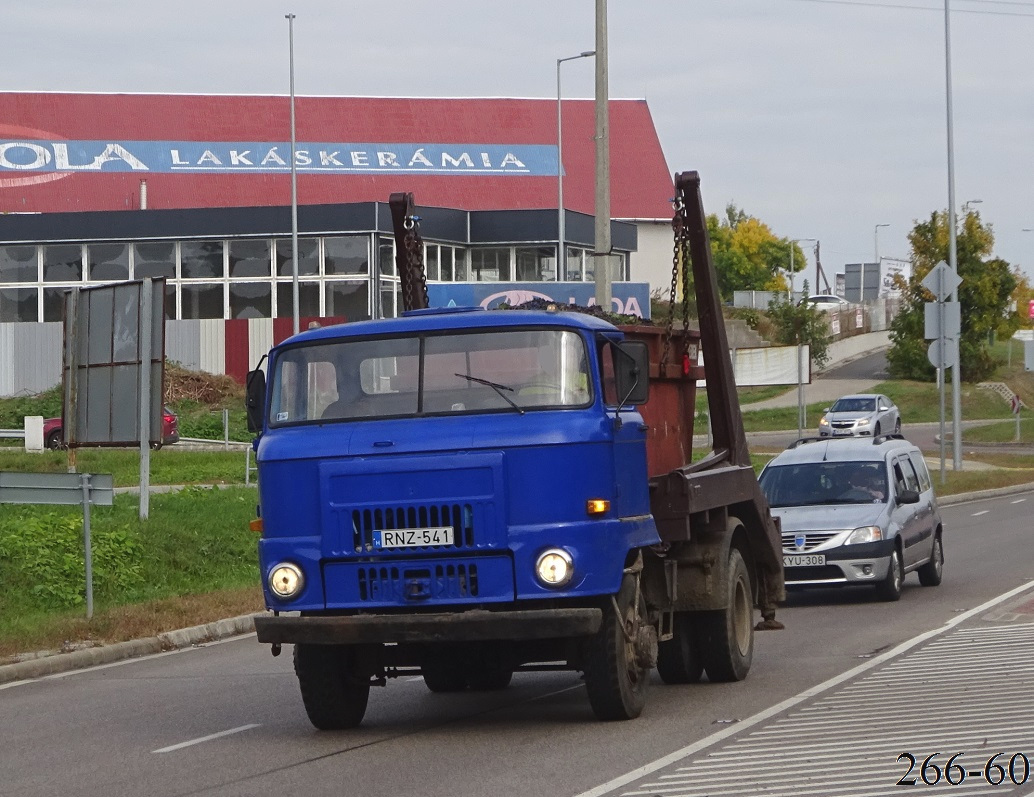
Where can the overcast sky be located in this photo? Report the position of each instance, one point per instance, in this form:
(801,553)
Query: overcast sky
(823,118)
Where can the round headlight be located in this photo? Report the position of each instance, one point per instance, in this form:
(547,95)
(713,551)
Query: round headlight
(286,580)
(554,567)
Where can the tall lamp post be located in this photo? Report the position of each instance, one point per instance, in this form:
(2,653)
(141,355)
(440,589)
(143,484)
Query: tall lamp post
(967,203)
(294,188)
(876,235)
(561,231)
(800,365)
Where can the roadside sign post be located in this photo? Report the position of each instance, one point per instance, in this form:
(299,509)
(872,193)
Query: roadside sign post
(1015,404)
(943,324)
(62,489)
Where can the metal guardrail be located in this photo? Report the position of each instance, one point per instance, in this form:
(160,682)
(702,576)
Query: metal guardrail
(13,434)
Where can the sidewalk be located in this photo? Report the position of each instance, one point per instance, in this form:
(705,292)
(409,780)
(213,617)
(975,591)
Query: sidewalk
(820,390)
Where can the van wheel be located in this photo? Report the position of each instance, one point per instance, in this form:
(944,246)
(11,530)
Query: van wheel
(55,440)
(680,659)
(730,631)
(334,695)
(890,588)
(614,677)
(932,572)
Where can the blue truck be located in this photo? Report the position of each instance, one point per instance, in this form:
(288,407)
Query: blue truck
(461,494)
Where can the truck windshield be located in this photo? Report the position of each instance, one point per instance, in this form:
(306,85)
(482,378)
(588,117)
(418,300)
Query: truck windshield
(514,370)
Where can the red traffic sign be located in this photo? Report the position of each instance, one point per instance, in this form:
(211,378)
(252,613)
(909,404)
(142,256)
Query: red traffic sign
(1015,404)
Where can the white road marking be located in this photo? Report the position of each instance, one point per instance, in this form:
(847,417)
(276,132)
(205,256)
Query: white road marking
(981,512)
(709,741)
(1018,501)
(208,738)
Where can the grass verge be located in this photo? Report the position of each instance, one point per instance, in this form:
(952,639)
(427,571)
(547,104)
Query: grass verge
(169,465)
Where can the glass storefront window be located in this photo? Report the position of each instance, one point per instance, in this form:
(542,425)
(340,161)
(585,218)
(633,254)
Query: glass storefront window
(346,255)
(251,300)
(348,300)
(617,267)
(250,258)
(490,264)
(63,263)
(461,265)
(18,264)
(536,264)
(574,265)
(18,304)
(154,260)
(386,256)
(202,301)
(431,262)
(308,299)
(308,257)
(109,262)
(202,260)
(54,303)
(170,302)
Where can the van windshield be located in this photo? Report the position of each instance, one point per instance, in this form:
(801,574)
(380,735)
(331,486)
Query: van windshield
(822,483)
(515,370)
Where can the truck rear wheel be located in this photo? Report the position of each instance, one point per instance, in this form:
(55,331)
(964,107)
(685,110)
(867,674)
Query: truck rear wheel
(334,695)
(680,659)
(729,649)
(489,680)
(444,672)
(614,677)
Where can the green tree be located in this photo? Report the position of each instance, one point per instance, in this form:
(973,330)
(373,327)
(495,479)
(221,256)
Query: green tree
(802,324)
(747,254)
(984,295)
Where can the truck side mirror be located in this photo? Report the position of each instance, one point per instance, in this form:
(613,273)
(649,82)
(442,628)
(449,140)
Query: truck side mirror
(631,372)
(255,399)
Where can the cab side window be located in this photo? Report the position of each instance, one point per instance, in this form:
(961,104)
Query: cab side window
(905,476)
(921,470)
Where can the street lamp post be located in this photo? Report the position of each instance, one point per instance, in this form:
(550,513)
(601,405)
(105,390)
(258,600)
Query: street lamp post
(967,203)
(876,235)
(561,232)
(294,189)
(797,335)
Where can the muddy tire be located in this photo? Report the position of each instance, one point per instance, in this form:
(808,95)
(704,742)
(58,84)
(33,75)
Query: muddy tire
(615,680)
(444,673)
(334,697)
(680,659)
(490,680)
(932,572)
(729,632)
(890,588)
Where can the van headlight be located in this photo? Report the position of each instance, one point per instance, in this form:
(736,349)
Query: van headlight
(554,567)
(286,580)
(864,534)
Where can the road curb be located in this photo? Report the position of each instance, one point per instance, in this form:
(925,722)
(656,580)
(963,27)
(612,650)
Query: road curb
(53,663)
(979,495)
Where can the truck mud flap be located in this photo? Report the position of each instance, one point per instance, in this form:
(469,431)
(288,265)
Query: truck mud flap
(447,627)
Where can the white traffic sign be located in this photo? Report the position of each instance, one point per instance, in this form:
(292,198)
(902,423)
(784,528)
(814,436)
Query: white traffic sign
(934,312)
(943,353)
(941,281)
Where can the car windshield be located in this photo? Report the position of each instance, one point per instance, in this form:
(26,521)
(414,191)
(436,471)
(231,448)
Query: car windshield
(854,405)
(824,483)
(515,370)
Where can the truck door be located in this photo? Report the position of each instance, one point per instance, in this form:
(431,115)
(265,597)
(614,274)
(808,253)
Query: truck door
(631,481)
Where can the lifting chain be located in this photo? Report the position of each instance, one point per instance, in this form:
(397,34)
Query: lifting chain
(415,278)
(680,254)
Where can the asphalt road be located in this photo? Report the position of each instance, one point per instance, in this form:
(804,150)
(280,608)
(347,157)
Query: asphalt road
(226,719)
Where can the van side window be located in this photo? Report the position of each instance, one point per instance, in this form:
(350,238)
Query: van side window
(903,470)
(921,470)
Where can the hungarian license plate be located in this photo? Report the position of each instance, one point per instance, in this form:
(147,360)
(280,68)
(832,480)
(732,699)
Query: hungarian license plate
(842,432)
(413,538)
(803,559)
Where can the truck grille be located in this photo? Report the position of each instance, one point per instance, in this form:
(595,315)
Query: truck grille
(394,584)
(459,516)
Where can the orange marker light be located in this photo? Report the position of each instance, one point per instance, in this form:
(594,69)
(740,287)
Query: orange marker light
(597,506)
(256,525)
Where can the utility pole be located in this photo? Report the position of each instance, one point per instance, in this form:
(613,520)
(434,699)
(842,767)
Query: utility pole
(602,256)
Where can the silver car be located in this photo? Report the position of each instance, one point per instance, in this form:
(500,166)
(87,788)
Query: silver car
(856,511)
(860,414)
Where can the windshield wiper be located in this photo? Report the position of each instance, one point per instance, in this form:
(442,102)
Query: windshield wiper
(496,387)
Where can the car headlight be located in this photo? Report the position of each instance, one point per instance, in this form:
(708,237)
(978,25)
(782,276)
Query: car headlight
(862,422)
(864,534)
(554,567)
(286,580)
(823,422)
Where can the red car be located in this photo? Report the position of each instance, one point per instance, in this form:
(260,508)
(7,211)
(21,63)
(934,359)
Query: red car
(53,434)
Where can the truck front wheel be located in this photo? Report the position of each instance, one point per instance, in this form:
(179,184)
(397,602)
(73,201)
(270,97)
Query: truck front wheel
(334,695)
(615,676)
(729,632)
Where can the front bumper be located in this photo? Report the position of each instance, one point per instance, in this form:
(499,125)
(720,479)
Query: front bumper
(469,626)
(847,565)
